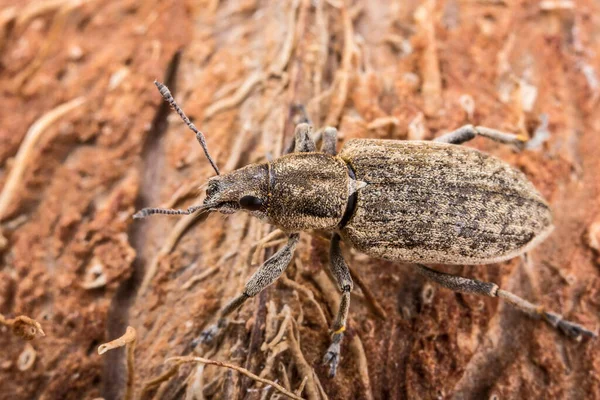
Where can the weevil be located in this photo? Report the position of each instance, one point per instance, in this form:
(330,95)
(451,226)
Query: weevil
(418,202)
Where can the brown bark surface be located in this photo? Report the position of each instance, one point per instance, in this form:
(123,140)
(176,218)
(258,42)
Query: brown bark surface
(85,141)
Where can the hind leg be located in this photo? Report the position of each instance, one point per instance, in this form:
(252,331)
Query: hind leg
(469,132)
(472,286)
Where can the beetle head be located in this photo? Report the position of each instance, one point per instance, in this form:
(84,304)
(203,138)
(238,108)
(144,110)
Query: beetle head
(244,189)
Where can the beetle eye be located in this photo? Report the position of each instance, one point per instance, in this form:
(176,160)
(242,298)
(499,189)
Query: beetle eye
(251,203)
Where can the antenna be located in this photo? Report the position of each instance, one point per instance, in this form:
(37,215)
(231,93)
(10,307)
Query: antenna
(150,211)
(166,94)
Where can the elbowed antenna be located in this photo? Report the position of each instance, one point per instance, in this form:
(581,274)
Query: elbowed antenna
(146,212)
(166,94)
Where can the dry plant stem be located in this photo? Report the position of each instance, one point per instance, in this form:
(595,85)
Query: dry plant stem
(24,155)
(53,36)
(320,387)
(328,290)
(279,336)
(237,97)
(372,302)
(270,361)
(23,327)
(180,227)
(236,152)
(429,62)
(190,190)
(383,122)
(271,323)
(260,245)
(281,389)
(556,5)
(357,349)
(301,387)
(308,293)
(323,36)
(195,384)
(304,369)
(127,340)
(200,277)
(280,64)
(36,8)
(153,383)
(284,377)
(342,76)
(6,16)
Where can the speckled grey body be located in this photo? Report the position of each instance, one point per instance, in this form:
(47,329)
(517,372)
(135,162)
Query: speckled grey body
(423,202)
(440,203)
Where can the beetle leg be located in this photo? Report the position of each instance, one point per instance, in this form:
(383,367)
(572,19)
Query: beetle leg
(329,141)
(263,277)
(303,142)
(465,285)
(342,277)
(468,132)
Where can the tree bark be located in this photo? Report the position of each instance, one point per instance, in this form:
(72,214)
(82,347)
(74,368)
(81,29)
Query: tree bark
(74,259)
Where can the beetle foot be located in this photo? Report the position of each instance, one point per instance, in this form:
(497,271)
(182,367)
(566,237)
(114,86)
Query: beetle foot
(209,335)
(332,358)
(571,329)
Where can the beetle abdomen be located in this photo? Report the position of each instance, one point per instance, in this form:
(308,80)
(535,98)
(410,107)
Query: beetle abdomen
(440,203)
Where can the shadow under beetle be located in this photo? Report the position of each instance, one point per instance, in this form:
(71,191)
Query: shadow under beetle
(409,201)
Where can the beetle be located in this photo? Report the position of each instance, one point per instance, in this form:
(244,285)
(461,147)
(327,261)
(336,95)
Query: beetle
(419,202)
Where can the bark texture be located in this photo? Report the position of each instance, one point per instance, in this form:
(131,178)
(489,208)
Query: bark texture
(85,140)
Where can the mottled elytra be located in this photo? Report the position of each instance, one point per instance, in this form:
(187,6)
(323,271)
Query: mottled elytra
(408,201)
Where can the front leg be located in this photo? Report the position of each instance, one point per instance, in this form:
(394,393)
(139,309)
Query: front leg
(468,132)
(342,277)
(263,277)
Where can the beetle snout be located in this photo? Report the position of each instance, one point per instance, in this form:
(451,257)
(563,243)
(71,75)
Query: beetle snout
(218,192)
(245,188)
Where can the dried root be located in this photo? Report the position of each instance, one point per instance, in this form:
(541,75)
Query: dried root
(23,327)
(200,277)
(24,155)
(174,236)
(429,62)
(307,293)
(343,75)
(304,368)
(58,24)
(358,351)
(279,388)
(127,340)
(237,97)
(382,123)
(371,300)
(263,244)
(154,383)
(278,67)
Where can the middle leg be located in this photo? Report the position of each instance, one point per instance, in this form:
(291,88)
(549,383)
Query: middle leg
(468,132)
(472,286)
(341,274)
